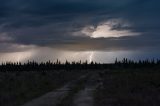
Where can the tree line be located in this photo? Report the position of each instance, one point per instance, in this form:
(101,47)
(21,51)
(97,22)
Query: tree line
(58,65)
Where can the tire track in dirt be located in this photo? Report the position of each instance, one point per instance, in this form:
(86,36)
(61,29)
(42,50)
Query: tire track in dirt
(85,96)
(55,97)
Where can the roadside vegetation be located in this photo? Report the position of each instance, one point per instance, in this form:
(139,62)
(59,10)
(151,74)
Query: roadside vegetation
(16,88)
(123,83)
(129,87)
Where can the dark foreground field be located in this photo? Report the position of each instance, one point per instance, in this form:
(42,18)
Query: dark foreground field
(108,87)
(16,88)
(129,87)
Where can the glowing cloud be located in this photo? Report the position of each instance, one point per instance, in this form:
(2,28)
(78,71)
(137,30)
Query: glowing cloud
(113,28)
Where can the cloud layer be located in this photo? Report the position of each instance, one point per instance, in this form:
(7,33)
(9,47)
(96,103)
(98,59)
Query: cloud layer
(64,24)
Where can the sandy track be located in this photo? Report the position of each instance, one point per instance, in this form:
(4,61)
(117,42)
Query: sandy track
(55,97)
(85,96)
(51,98)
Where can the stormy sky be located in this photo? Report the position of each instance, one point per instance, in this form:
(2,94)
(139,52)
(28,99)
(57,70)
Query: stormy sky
(98,30)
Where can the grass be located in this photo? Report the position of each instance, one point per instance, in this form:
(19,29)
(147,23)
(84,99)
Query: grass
(129,87)
(121,87)
(20,87)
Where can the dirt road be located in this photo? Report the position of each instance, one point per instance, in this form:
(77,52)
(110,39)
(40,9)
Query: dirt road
(82,97)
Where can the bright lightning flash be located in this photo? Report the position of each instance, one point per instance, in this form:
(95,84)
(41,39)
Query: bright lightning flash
(91,57)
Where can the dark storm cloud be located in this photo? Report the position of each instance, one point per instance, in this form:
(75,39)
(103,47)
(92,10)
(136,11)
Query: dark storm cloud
(52,22)
(29,12)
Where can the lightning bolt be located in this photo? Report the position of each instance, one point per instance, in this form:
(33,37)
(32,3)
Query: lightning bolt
(91,57)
